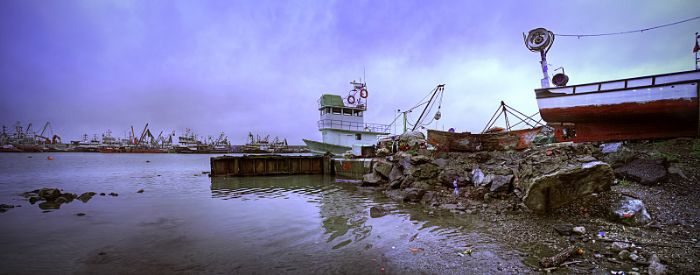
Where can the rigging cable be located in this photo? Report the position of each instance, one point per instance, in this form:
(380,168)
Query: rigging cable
(628,32)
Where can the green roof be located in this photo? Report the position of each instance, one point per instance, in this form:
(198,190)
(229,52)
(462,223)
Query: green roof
(332,100)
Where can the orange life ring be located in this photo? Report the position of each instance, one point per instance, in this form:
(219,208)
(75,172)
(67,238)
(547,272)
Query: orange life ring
(351,99)
(364,93)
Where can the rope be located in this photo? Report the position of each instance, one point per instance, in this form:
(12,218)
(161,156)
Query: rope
(628,32)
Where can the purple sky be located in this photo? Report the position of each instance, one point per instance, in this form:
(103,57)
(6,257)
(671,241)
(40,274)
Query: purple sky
(260,66)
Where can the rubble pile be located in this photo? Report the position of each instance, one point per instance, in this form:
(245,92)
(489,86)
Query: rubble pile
(543,178)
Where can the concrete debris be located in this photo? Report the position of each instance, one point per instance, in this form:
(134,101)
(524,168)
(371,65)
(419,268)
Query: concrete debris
(644,171)
(543,193)
(608,148)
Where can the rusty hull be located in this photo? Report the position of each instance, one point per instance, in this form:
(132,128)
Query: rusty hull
(468,142)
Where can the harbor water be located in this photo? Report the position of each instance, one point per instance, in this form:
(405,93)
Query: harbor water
(187,222)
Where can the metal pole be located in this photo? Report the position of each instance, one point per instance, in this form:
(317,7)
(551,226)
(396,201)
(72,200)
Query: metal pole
(404,122)
(545,80)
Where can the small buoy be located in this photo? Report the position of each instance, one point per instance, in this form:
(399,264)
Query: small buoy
(49,158)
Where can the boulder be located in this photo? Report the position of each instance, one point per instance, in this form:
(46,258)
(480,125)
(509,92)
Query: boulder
(550,191)
(608,148)
(630,211)
(428,198)
(371,179)
(49,193)
(383,168)
(395,174)
(85,197)
(377,211)
(644,171)
(501,183)
(406,195)
(425,171)
(580,230)
(413,195)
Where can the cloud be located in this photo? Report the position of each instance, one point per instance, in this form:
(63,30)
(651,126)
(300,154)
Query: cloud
(235,66)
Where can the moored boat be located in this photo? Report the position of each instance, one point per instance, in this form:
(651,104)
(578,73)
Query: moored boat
(342,126)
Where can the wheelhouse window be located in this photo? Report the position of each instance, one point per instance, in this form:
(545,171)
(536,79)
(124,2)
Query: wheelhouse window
(358,136)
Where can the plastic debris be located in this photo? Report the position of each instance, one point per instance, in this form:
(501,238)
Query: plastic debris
(456,192)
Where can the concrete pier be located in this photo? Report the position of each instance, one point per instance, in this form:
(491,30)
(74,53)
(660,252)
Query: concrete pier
(268,165)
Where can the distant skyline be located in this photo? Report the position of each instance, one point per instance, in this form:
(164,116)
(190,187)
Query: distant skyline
(260,66)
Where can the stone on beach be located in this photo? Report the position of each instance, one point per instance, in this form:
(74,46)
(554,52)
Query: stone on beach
(550,191)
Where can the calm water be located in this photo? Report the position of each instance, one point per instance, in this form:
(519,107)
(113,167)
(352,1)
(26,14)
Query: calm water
(186,222)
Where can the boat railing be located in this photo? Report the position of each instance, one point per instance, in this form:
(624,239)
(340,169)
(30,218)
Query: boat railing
(352,126)
(636,82)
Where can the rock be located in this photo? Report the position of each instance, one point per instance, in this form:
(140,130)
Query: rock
(441,163)
(644,171)
(580,230)
(49,205)
(563,229)
(49,193)
(428,198)
(371,179)
(69,197)
(5,207)
(585,159)
(501,183)
(85,197)
(422,185)
(634,257)
(34,199)
(413,195)
(608,148)
(395,184)
(546,192)
(619,246)
(655,266)
(103,194)
(113,194)
(80,214)
(140,191)
(60,200)
(383,168)
(407,181)
(377,211)
(630,211)
(395,174)
(623,255)
(425,171)
(420,159)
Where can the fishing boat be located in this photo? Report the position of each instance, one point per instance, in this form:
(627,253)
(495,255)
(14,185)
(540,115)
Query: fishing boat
(646,107)
(342,126)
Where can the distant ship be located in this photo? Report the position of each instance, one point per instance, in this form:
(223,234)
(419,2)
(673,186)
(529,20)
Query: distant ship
(343,126)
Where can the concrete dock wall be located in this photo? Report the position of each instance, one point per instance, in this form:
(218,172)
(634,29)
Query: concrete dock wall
(267,165)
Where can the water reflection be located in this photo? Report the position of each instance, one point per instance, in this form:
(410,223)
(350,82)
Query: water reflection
(342,211)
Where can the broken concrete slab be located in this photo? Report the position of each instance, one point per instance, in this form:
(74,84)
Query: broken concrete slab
(550,191)
(644,171)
